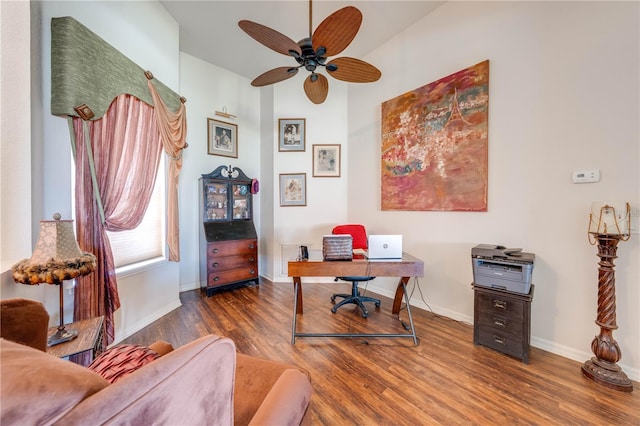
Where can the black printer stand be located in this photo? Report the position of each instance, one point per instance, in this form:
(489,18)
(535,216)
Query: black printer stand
(502,320)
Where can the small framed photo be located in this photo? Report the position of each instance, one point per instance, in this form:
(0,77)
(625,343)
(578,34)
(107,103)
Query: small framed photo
(293,189)
(292,134)
(222,138)
(326,160)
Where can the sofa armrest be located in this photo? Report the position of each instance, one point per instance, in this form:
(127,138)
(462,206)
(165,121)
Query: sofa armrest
(190,385)
(24,321)
(287,402)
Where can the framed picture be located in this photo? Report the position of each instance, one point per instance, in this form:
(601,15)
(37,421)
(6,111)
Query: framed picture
(292,134)
(293,189)
(326,160)
(222,138)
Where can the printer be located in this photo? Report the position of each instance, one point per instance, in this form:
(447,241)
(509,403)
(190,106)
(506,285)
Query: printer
(503,268)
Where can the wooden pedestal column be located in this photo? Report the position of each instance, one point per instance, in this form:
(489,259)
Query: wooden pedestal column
(603,368)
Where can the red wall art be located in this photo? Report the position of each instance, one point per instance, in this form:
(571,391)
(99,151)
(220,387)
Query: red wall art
(435,145)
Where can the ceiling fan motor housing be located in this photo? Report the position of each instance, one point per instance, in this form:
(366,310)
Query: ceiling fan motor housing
(308,57)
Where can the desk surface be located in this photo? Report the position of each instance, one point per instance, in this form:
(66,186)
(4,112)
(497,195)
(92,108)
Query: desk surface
(315,266)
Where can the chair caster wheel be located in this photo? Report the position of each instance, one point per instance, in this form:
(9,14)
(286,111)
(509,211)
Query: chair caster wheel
(378,305)
(365,314)
(333,299)
(333,310)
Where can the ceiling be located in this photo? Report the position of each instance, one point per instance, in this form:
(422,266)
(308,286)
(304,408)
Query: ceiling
(209,29)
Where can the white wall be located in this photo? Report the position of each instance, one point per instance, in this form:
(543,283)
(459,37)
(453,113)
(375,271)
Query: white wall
(564,96)
(15,149)
(326,197)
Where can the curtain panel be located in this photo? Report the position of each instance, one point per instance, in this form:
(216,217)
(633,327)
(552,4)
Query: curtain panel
(117,159)
(119,121)
(173,131)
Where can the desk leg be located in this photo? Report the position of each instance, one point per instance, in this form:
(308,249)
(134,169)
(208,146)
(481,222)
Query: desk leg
(297,306)
(400,290)
(413,328)
(297,287)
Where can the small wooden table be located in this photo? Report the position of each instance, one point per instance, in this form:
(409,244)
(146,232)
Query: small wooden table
(89,338)
(405,268)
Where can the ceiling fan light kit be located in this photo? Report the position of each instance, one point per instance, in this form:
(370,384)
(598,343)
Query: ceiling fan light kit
(332,36)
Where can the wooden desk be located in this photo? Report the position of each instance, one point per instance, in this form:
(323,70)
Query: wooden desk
(89,338)
(405,268)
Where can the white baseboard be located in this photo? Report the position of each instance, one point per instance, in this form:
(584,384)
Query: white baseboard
(189,287)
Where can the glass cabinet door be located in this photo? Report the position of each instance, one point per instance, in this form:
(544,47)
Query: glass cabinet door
(216,201)
(240,201)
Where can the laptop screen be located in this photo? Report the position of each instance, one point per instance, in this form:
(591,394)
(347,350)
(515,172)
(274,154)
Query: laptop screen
(385,247)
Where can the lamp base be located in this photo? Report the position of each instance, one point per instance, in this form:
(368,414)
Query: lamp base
(61,336)
(607,374)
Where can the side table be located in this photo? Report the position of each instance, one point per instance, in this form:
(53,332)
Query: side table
(502,321)
(89,338)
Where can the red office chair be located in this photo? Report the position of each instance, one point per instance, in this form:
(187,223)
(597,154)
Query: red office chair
(359,234)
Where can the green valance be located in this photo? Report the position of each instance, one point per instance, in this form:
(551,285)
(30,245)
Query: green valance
(86,70)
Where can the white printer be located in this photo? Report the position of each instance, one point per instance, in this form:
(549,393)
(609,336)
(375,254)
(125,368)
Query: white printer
(499,267)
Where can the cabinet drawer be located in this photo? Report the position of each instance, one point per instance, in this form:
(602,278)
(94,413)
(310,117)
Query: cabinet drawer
(503,342)
(223,263)
(501,324)
(231,276)
(500,305)
(231,247)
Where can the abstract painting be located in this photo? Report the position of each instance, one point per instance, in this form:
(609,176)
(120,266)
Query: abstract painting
(435,145)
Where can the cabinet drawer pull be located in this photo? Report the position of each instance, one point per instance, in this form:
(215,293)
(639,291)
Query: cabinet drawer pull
(215,250)
(500,322)
(215,264)
(216,279)
(501,304)
(499,340)
(252,259)
(252,272)
(251,246)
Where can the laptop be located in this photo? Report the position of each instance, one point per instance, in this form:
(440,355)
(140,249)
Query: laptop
(385,247)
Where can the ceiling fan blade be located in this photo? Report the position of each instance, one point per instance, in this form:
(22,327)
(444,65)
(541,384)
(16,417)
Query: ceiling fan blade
(353,70)
(316,90)
(337,30)
(273,76)
(271,38)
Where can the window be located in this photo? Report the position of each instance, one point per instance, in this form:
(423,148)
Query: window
(145,242)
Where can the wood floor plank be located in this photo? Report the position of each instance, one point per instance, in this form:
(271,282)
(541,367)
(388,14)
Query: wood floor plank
(445,379)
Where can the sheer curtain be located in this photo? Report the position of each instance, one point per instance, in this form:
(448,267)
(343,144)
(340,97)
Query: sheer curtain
(117,159)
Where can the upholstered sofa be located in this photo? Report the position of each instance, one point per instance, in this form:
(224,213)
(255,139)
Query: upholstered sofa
(202,383)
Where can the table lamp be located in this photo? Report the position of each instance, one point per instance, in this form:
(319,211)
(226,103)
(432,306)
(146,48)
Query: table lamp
(55,258)
(609,223)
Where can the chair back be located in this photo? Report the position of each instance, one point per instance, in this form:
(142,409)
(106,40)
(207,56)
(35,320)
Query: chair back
(358,232)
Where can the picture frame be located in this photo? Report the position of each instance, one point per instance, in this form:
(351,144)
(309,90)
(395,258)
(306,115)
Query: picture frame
(293,189)
(326,160)
(292,134)
(222,138)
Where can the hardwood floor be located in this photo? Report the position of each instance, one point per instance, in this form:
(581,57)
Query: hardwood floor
(384,381)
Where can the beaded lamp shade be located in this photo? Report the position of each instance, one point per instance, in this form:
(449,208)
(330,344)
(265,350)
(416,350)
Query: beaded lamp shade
(56,257)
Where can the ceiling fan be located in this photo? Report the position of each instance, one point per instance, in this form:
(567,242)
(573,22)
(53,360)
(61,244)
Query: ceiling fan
(331,37)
